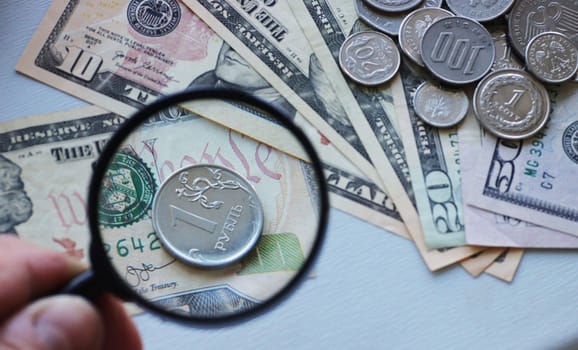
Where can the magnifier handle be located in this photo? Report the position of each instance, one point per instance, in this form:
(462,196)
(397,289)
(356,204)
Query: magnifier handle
(85,285)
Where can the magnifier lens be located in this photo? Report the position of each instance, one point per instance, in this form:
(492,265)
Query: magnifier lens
(202,221)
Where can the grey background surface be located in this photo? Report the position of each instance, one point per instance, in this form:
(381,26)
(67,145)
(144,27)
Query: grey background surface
(371,289)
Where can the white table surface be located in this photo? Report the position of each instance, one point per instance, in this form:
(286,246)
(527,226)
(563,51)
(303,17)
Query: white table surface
(372,289)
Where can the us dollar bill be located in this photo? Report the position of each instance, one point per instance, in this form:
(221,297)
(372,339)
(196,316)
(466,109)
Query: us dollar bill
(350,190)
(479,262)
(327,24)
(493,229)
(47,161)
(47,174)
(434,158)
(534,180)
(276,48)
(92,51)
(122,55)
(326,30)
(506,265)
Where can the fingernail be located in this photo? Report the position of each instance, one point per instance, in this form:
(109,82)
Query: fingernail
(76,266)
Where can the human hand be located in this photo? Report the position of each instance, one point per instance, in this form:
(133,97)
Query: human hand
(28,320)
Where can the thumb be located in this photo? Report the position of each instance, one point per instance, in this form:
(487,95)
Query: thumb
(60,322)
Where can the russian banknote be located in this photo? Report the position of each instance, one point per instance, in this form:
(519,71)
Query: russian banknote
(89,49)
(492,229)
(327,24)
(534,180)
(47,163)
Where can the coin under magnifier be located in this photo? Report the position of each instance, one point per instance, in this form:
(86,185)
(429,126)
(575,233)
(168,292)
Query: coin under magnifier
(207,216)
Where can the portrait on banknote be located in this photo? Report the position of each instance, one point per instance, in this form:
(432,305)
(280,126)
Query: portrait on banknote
(15,205)
(232,71)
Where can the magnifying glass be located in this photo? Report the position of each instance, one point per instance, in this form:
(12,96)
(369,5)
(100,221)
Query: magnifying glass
(196,221)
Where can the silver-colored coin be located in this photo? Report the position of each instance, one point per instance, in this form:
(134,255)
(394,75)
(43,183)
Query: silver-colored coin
(505,59)
(528,18)
(552,57)
(207,216)
(511,104)
(369,58)
(480,10)
(386,22)
(413,28)
(394,5)
(458,50)
(440,107)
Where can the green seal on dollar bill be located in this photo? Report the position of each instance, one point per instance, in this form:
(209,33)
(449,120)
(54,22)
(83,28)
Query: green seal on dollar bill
(127,191)
(570,141)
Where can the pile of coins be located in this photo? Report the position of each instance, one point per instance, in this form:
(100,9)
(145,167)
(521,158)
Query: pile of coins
(459,45)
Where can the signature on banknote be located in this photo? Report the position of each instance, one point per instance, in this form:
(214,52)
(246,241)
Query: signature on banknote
(135,275)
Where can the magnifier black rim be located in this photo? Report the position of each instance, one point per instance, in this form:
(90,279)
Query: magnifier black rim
(103,267)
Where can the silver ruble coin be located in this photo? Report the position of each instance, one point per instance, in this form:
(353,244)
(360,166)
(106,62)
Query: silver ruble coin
(528,18)
(480,10)
(440,107)
(369,58)
(386,22)
(458,50)
(394,5)
(207,216)
(552,57)
(413,28)
(505,59)
(511,104)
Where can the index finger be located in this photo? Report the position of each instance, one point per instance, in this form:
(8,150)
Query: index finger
(28,272)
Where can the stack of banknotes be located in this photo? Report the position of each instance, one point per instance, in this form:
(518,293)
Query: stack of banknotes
(462,195)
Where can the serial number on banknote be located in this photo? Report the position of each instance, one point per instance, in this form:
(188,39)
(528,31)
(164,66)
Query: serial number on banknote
(532,168)
(126,246)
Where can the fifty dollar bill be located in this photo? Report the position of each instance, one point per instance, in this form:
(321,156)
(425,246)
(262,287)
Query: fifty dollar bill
(535,180)
(486,228)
